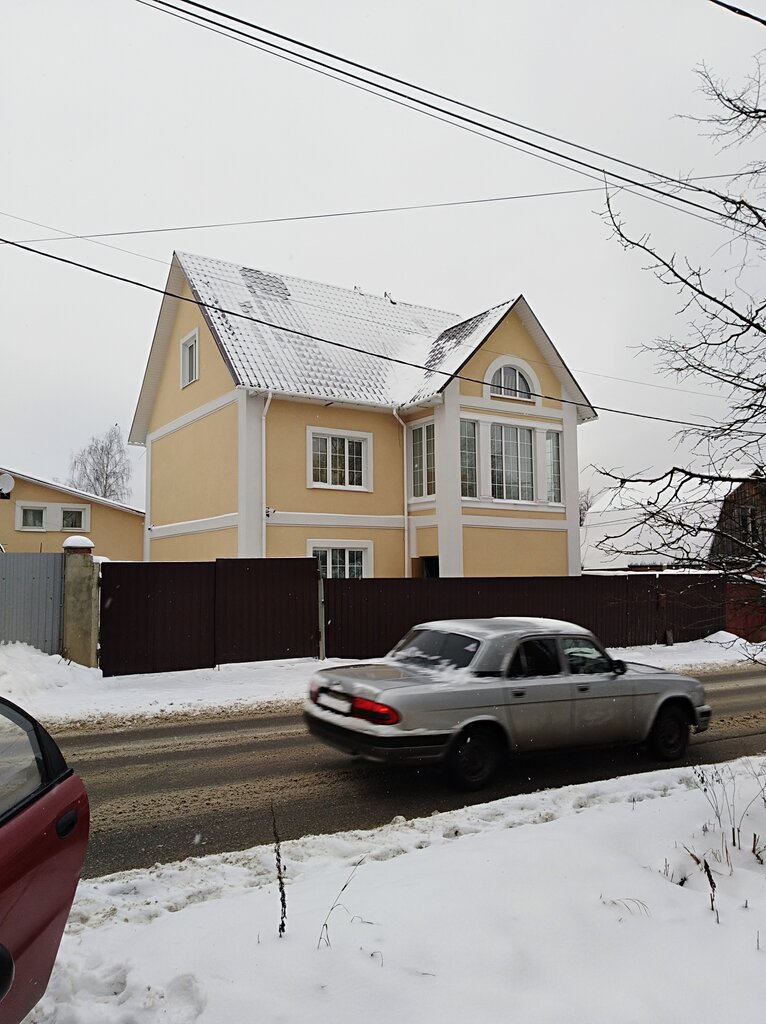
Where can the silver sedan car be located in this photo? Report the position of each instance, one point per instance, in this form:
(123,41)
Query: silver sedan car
(469,692)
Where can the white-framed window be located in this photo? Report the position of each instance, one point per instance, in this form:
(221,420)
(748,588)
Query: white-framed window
(189,359)
(423,460)
(32,517)
(509,382)
(468,474)
(512,462)
(339,458)
(342,559)
(75,517)
(553,464)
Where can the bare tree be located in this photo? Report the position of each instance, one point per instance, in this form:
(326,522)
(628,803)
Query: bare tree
(586,500)
(711,512)
(102,467)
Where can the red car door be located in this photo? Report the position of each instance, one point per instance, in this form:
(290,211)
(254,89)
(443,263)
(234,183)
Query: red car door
(44,822)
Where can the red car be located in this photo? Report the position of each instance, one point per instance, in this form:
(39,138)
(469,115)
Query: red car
(44,822)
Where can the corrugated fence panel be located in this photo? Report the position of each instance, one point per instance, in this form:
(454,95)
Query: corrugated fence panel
(31,599)
(266,608)
(157,616)
(365,618)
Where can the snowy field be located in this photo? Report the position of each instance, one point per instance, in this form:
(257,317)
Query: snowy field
(579,905)
(57,692)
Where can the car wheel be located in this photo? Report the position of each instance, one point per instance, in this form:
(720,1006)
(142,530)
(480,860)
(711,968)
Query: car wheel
(474,758)
(670,733)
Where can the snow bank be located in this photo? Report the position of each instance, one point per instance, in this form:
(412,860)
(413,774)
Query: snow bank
(582,904)
(55,691)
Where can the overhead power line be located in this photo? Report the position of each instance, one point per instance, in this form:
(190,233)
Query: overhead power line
(343,345)
(297,218)
(738,10)
(424,106)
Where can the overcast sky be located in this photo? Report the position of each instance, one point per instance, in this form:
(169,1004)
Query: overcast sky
(115,117)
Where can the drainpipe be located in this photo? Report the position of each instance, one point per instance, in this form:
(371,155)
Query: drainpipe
(263,474)
(407,567)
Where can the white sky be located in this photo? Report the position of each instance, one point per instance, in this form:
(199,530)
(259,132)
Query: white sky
(115,117)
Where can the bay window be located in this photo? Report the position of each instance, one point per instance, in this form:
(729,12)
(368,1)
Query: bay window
(423,460)
(511,463)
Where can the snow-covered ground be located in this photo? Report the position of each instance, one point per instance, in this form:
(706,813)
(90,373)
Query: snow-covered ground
(585,904)
(57,692)
(581,904)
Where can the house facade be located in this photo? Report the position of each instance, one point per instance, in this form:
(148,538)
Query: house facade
(284,417)
(39,515)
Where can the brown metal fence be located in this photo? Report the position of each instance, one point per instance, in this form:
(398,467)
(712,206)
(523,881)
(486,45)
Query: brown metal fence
(166,616)
(365,618)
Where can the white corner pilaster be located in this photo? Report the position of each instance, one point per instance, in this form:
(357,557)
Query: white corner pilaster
(251,500)
(449,513)
(148,503)
(571,483)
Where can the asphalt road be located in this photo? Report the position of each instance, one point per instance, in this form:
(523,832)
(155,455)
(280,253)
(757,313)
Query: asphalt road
(172,789)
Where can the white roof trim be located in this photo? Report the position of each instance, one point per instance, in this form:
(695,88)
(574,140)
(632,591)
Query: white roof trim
(53,485)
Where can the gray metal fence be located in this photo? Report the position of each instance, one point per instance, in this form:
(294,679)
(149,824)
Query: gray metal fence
(31,600)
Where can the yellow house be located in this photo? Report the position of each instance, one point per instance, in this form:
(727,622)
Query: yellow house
(284,417)
(39,515)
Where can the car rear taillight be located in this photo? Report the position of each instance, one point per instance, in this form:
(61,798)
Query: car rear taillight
(372,711)
(314,692)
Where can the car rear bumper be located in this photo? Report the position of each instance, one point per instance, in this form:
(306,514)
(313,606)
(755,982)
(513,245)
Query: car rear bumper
(702,714)
(405,748)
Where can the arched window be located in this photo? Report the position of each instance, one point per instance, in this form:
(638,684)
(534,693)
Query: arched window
(508,382)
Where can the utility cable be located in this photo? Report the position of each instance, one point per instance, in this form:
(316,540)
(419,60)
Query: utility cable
(458,120)
(353,348)
(735,10)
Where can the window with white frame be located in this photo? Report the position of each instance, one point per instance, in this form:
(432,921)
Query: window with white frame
(511,462)
(423,460)
(468,480)
(509,382)
(553,464)
(72,519)
(339,460)
(340,563)
(32,518)
(189,359)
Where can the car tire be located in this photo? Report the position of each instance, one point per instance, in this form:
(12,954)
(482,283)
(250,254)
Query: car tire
(474,758)
(670,733)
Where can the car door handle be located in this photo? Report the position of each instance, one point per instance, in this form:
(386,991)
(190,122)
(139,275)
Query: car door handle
(583,689)
(519,693)
(66,823)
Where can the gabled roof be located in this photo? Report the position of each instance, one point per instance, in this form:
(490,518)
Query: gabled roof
(247,311)
(71,491)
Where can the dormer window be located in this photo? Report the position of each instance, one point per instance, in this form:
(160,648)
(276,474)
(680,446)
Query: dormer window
(508,382)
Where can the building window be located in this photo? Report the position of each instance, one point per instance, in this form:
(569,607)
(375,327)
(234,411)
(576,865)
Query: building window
(189,359)
(508,382)
(340,563)
(748,525)
(32,519)
(423,461)
(553,464)
(338,460)
(468,487)
(511,463)
(72,519)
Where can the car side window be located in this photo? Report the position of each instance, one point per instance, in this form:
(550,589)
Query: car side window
(583,657)
(536,657)
(20,760)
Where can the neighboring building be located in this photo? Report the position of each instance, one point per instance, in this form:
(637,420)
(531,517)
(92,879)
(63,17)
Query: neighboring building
(714,525)
(264,441)
(39,515)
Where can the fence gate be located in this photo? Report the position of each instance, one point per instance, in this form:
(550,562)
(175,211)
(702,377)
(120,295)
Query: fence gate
(32,600)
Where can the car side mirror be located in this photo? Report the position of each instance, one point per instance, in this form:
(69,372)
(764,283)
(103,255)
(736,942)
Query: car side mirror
(619,667)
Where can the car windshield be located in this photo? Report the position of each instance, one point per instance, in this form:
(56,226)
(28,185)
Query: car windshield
(433,648)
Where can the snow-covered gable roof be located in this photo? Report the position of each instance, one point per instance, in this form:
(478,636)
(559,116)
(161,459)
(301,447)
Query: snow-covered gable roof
(248,310)
(71,491)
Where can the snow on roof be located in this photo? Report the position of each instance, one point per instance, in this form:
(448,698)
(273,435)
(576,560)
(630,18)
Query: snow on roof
(500,625)
(273,331)
(64,488)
